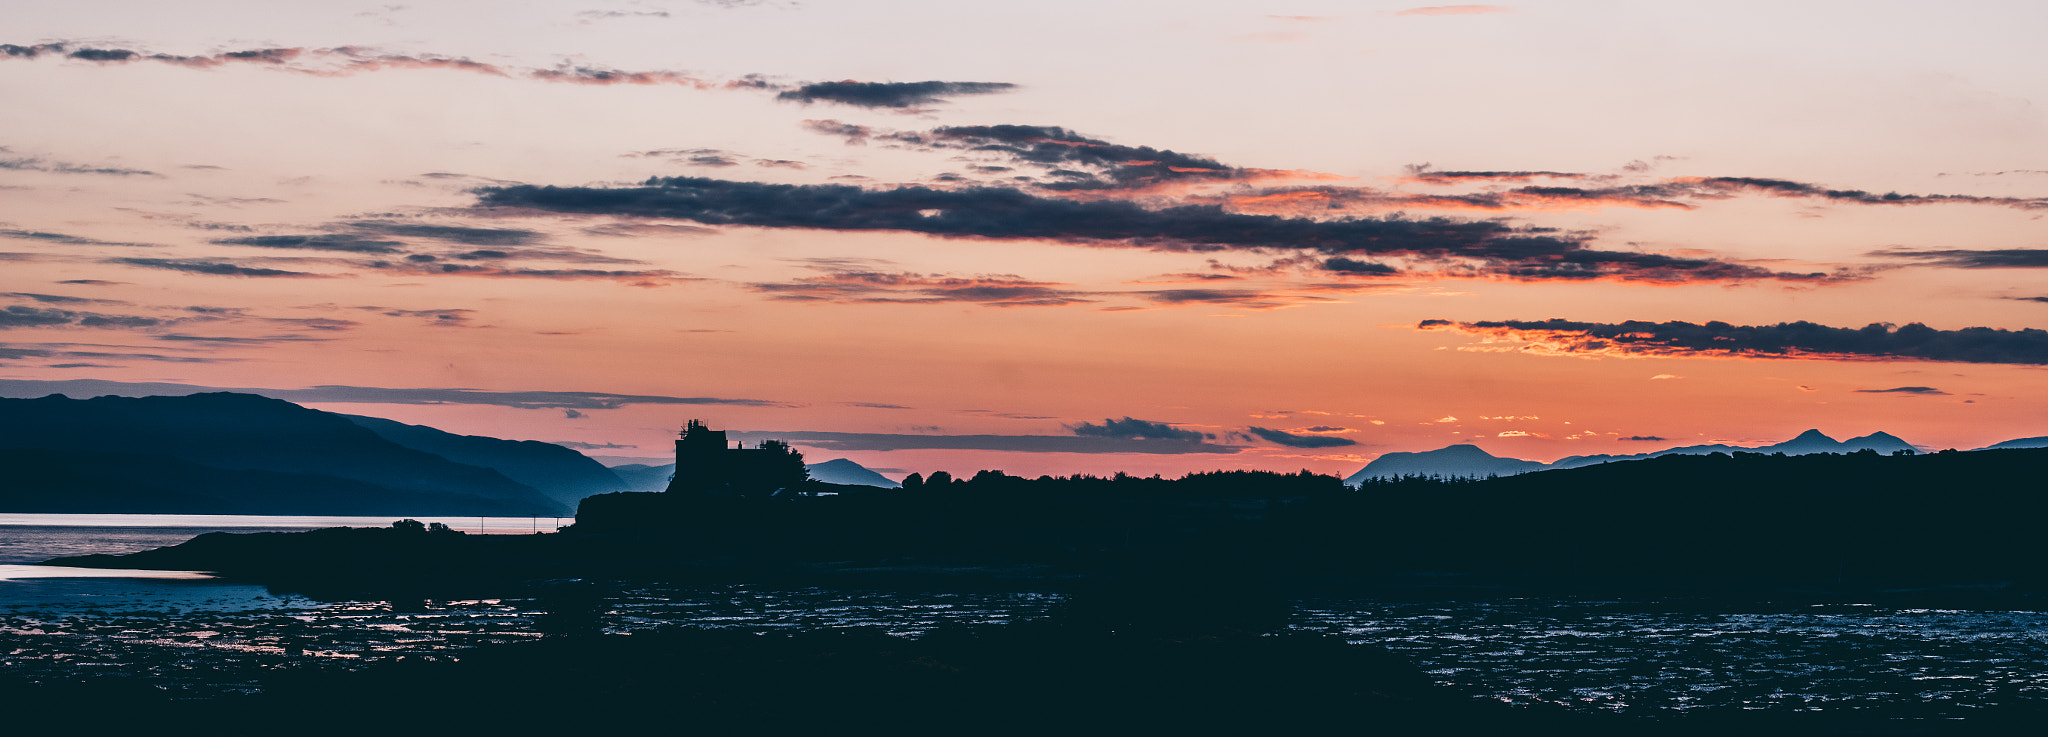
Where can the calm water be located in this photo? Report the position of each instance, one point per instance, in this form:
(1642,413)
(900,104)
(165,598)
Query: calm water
(1632,656)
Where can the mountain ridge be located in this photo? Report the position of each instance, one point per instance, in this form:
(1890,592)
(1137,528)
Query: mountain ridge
(1463,464)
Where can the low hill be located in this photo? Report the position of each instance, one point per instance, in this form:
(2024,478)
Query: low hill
(2041,442)
(845,472)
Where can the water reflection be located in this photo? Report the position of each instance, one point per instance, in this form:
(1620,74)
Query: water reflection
(1637,656)
(1624,656)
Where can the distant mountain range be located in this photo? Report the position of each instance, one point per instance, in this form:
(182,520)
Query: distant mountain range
(842,471)
(564,475)
(228,453)
(1469,461)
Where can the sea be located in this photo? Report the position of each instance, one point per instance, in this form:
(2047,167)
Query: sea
(194,634)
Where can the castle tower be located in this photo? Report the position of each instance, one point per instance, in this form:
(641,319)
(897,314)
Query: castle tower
(700,458)
(707,463)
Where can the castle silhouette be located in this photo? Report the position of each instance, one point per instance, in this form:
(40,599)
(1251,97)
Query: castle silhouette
(707,463)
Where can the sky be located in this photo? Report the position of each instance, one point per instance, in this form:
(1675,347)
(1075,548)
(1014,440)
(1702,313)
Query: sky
(1051,238)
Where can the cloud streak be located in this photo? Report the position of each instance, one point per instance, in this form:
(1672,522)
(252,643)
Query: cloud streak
(889,94)
(37,163)
(1067,162)
(854,441)
(2002,258)
(350,60)
(1793,340)
(1455,10)
(1291,440)
(214,268)
(873,287)
(341,394)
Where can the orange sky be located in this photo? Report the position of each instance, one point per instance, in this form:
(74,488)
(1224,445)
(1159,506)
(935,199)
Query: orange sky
(929,236)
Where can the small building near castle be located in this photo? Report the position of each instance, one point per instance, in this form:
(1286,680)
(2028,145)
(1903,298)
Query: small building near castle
(707,463)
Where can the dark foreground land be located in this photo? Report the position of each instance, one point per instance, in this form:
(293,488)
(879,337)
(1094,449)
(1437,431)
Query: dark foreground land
(1171,626)
(1937,525)
(1167,658)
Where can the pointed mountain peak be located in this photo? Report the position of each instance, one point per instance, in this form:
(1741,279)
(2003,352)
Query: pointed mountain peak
(1812,435)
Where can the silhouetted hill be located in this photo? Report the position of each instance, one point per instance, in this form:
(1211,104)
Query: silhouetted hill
(1463,464)
(2041,442)
(642,477)
(1456,461)
(848,473)
(243,432)
(87,482)
(564,475)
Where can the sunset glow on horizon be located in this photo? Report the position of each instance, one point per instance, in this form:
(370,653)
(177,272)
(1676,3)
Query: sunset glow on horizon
(1144,237)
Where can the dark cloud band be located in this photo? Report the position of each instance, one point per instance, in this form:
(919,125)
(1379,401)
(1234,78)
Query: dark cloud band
(1135,429)
(1463,247)
(213,268)
(889,94)
(1784,340)
(1291,440)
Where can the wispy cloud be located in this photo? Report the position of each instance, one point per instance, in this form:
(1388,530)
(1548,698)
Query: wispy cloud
(873,287)
(629,277)
(14,162)
(59,238)
(338,242)
(68,353)
(1913,390)
(853,441)
(350,60)
(214,268)
(2002,258)
(1065,161)
(454,318)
